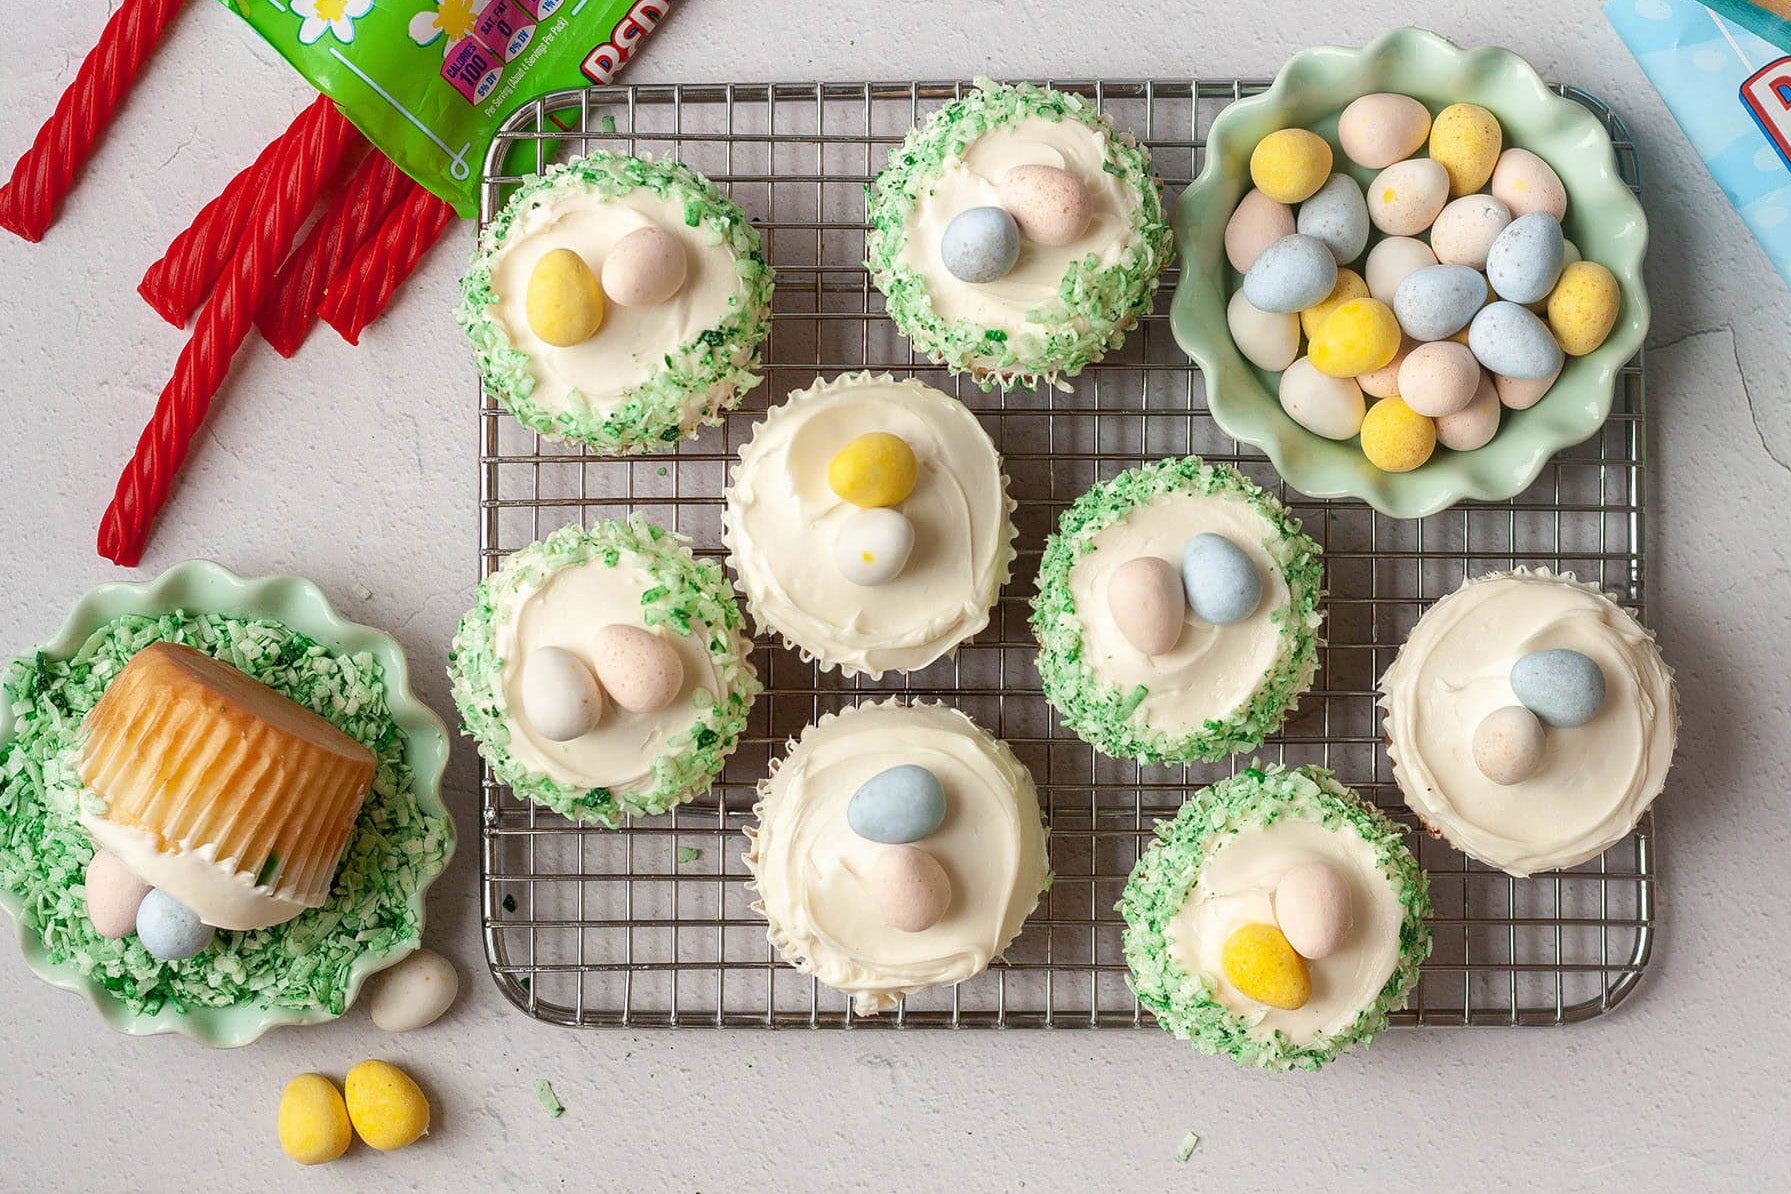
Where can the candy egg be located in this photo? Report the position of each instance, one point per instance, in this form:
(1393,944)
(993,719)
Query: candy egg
(563,302)
(1582,308)
(646,267)
(1051,206)
(1384,382)
(1262,965)
(1525,183)
(1390,261)
(114,893)
(910,888)
(1290,275)
(414,993)
(1290,165)
(1465,139)
(1526,259)
(1436,302)
(1516,393)
(1378,130)
(1315,909)
(1474,425)
(1466,228)
(560,696)
(313,1120)
(1395,438)
(1337,215)
(876,469)
(1404,199)
(897,805)
(871,546)
(1439,378)
(1349,285)
(1509,339)
(1564,688)
(1269,340)
(1147,602)
(169,929)
(640,671)
(1220,580)
(1509,744)
(385,1105)
(980,244)
(1359,337)
(1257,223)
(1324,405)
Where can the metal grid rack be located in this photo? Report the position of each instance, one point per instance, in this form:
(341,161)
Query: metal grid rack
(649,925)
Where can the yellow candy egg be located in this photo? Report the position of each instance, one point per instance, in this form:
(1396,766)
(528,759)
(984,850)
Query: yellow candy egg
(1359,337)
(1260,963)
(1350,285)
(1290,165)
(1396,438)
(313,1121)
(1465,139)
(388,1109)
(873,470)
(564,303)
(1582,308)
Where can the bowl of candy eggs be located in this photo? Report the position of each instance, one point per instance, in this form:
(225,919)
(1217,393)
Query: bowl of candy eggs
(1410,273)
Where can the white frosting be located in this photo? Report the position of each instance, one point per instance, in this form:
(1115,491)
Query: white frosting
(1211,670)
(1236,887)
(633,341)
(215,889)
(1596,780)
(782,516)
(810,868)
(567,610)
(972,181)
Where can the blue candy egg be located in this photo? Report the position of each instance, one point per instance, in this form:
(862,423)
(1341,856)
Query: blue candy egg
(1562,688)
(897,806)
(169,929)
(1525,260)
(980,244)
(1292,274)
(1437,301)
(1510,340)
(1222,583)
(1337,215)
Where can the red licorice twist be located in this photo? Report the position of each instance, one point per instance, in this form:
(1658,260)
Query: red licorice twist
(359,293)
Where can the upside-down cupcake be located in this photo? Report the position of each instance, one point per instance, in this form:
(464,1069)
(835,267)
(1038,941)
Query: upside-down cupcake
(1016,235)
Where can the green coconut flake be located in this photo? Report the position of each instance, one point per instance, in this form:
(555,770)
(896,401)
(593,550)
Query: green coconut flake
(686,594)
(697,383)
(1108,716)
(1094,306)
(549,1101)
(304,964)
(1189,1143)
(1256,798)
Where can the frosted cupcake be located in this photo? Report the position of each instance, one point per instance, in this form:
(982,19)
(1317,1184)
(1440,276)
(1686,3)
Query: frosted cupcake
(618,302)
(897,848)
(1277,920)
(1530,720)
(604,672)
(1177,613)
(868,522)
(1016,235)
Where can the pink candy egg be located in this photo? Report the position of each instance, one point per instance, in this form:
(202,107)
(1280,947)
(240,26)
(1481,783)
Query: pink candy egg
(1315,909)
(1525,183)
(639,670)
(910,888)
(1474,425)
(644,268)
(1052,206)
(1439,378)
(1257,223)
(1377,130)
(113,895)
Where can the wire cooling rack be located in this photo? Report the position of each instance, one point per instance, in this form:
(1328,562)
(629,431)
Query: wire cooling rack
(650,924)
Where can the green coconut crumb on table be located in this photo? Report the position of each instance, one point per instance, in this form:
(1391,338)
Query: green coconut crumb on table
(549,1101)
(303,964)
(1189,1143)
(509,904)
(689,853)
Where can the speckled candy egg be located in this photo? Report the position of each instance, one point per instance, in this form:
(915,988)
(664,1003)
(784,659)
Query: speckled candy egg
(1439,378)
(313,1120)
(1349,285)
(1582,308)
(1315,909)
(385,1105)
(1337,215)
(1290,275)
(1405,198)
(1518,393)
(645,268)
(114,893)
(1256,223)
(1465,139)
(1563,688)
(1509,745)
(1465,230)
(1324,405)
(1525,183)
(1436,302)
(1359,337)
(1289,165)
(1147,602)
(1396,438)
(415,993)
(1391,261)
(980,244)
(1220,580)
(1474,425)
(1509,339)
(640,671)
(1384,382)
(1051,205)
(561,699)
(563,302)
(1378,130)
(1258,960)
(910,888)
(897,805)
(1525,261)
(871,545)
(1269,340)
(169,929)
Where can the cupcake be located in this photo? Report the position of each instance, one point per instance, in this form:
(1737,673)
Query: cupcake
(618,302)
(604,672)
(1177,613)
(1276,919)
(869,524)
(898,847)
(1016,235)
(1530,720)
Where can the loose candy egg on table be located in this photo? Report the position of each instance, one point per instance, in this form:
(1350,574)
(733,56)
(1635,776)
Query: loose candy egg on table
(1315,909)
(875,469)
(1324,405)
(897,805)
(1562,687)
(640,671)
(1526,260)
(1051,205)
(1256,223)
(1525,183)
(1406,197)
(1509,744)
(871,545)
(1465,230)
(910,888)
(1269,340)
(561,699)
(563,302)
(1509,339)
(1395,438)
(414,993)
(980,244)
(114,892)
(385,1105)
(1518,393)
(1391,261)
(313,1120)
(1378,130)
(1349,285)
(1437,301)
(1220,579)
(1384,382)
(645,268)
(1359,337)
(1474,425)
(1582,308)
(1466,139)
(1147,601)
(1290,275)
(169,929)
(1263,966)
(1337,214)
(1439,378)
(1290,165)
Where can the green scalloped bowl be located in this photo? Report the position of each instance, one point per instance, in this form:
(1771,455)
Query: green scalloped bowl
(1603,218)
(202,586)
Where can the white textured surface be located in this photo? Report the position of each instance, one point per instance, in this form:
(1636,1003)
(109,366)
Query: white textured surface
(1683,1088)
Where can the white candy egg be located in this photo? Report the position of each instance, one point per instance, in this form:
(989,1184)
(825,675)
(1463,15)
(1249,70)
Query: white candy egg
(1405,198)
(872,544)
(1256,223)
(1145,596)
(640,671)
(1377,130)
(644,268)
(1390,261)
(910,888)
(114,892)
(1314,909)
(1269,340)
(1466,228)
(1051,205)
(560,696)
(1474,425)
(414,993)
(1322,404)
